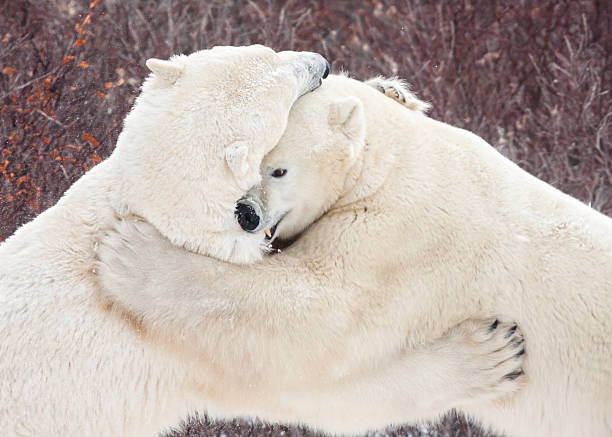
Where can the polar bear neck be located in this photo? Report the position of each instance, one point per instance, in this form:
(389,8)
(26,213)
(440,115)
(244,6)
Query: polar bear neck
(360,185)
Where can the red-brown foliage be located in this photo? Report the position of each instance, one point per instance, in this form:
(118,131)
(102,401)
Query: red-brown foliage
(533,79)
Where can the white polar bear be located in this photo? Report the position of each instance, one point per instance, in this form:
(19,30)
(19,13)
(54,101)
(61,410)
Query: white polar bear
(418,226)
(306,351)
(69,364)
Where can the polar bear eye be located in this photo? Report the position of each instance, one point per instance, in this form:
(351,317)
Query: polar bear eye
(279,173)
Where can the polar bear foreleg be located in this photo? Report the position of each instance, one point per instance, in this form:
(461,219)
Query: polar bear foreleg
(476,362)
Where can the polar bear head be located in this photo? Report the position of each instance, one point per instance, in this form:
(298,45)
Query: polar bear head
(316,161)
(194,140)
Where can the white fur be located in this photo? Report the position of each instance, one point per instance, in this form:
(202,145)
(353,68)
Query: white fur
(71,363)
(398,90)
(181,125)
(439,227)
(362,322)
(425,228)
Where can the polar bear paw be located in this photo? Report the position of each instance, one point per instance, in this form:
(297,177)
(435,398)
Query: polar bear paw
(496,354)
(129,253)
(398,90)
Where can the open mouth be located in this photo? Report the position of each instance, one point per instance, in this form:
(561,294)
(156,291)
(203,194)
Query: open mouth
(271,231)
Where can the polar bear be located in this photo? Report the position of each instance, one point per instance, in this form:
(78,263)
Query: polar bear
(303,354)
(411,228)
(70,365)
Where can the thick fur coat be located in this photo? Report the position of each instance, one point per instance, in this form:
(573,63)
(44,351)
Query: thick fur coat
(422,226)
(71,363)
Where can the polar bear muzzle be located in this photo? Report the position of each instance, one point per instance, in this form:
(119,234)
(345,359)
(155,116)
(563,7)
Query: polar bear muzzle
(248,214)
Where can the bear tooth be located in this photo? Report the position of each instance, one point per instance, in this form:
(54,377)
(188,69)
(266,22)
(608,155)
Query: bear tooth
(268,233)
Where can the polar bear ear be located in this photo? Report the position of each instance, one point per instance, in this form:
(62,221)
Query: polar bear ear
(166,72)
(347,114)
(236,155)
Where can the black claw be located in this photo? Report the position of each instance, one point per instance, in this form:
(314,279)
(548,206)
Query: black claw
(326,72)
(511,331)
(513,375)
(493,325)
(521,352)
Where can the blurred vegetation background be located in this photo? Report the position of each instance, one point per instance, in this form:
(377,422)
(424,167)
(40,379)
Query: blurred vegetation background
(533,78)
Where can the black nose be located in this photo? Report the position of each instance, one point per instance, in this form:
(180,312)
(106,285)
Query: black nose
(246,216)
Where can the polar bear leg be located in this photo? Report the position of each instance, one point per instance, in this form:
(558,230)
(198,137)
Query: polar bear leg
(474,363)
(477,362)
(490,356)
(398,90)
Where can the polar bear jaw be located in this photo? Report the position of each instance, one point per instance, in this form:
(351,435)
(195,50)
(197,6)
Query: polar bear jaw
(201,119)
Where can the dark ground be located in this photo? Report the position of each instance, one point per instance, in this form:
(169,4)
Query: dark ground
(532,78)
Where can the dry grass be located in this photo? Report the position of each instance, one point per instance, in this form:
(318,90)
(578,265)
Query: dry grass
(532,80)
